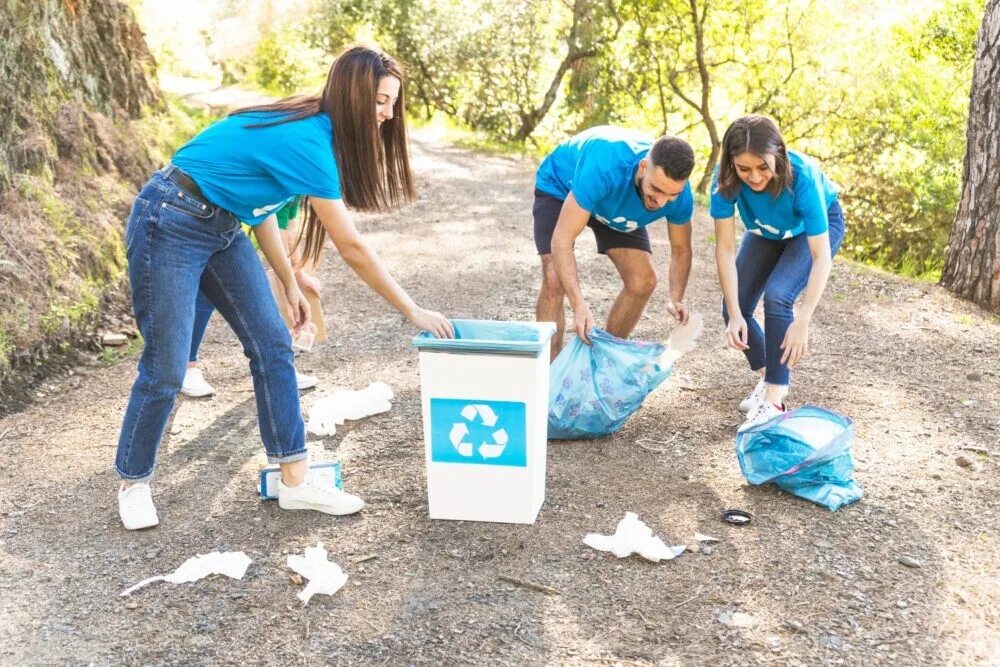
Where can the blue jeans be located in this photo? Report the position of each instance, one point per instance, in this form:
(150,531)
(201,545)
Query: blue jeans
(203,310)
(177,246)
(778,271)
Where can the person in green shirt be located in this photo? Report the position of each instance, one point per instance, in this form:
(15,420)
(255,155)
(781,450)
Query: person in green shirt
(195,385)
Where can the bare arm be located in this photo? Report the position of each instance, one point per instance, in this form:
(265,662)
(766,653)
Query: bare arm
(365,262)
(725,262)
(307,281)
(572,220)
(796,343)
(273,246)
(680,269)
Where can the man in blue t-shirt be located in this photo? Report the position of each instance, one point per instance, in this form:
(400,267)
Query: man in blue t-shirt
(617,182)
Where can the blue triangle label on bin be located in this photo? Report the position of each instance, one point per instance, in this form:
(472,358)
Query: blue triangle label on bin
(477,431)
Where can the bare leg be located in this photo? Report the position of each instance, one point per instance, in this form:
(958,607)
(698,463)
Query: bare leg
(639,279)
(776,393)
(293,473)
(550,306)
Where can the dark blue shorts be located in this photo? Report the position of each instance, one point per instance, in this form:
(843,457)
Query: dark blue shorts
(546,213)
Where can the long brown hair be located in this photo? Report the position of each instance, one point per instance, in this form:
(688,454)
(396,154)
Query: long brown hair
(758,135)
(373,160)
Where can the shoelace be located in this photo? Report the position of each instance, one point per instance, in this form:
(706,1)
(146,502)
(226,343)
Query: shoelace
(318,485)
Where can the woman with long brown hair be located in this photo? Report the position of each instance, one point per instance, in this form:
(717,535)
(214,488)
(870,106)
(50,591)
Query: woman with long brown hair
(794,225)
(345,147)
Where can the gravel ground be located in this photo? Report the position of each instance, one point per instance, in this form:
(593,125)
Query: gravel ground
(917,369)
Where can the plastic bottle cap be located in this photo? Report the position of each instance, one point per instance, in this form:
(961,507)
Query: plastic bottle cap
(736,517)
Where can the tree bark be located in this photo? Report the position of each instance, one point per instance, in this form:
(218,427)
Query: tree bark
(972,264)
(61,60)
(574,53)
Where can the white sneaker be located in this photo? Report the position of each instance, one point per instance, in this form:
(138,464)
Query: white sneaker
(316,494)
(763,413)
(305,381)
(195,385)
(135,507)
(754,398)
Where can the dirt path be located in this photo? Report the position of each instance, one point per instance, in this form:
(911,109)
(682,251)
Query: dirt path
(918,370)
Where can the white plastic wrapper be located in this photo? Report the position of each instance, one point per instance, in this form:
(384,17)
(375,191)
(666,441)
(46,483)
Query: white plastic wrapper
(683,339)
(632,536)
(334,409)
(230,563)
(324,575)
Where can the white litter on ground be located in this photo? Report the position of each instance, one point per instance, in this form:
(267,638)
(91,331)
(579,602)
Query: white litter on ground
(230,563)
(736,619)
(682,339)
(633,536)
(701,537)
(332,410)
(324,575)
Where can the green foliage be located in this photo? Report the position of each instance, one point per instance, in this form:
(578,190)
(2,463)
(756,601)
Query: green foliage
(170,130)
(878,92)
(901,143)
(285,64)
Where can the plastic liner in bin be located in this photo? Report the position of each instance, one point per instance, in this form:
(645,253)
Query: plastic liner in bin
(806,452)
(484,337)
(594,388)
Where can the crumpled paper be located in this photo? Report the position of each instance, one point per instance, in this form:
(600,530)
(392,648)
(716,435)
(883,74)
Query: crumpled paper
(230,563)
(633,536)
(324,575)
(334,409)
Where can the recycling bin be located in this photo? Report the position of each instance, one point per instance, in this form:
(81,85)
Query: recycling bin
(484,398)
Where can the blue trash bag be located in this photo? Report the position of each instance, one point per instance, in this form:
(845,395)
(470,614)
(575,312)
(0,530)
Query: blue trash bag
(594,388)
(806,452)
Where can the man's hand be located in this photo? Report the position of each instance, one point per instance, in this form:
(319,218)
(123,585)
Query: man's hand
(679,311)
(583,322)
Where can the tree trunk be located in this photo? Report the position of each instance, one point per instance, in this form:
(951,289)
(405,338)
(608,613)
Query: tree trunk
(582,10)
(531,119)
(972,265)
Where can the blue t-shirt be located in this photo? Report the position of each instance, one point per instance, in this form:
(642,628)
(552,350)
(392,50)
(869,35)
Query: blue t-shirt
(253,172)
(803,209)
(598,166)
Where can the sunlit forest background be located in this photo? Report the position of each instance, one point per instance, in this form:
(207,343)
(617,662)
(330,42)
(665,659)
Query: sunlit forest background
(878,92)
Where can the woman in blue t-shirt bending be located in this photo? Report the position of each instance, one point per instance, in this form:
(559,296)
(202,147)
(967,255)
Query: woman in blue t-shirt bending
(345,147)
(794,226)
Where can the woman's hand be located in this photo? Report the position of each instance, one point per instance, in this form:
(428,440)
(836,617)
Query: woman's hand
(736,330)
(796,343)
(435,323)
(583,322)
(299,307)
(307,283)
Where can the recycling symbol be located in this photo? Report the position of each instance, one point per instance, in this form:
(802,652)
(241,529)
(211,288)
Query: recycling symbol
(460,431)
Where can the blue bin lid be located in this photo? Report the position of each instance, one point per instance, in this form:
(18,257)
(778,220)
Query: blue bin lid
(490,337)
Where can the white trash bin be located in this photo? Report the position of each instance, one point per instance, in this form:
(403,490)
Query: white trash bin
(485,400)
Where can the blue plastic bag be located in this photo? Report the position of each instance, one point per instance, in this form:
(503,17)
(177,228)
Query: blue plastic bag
(594,388)
(806,452)
(511,338)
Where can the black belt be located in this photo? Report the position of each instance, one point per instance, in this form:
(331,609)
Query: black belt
(186,183)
